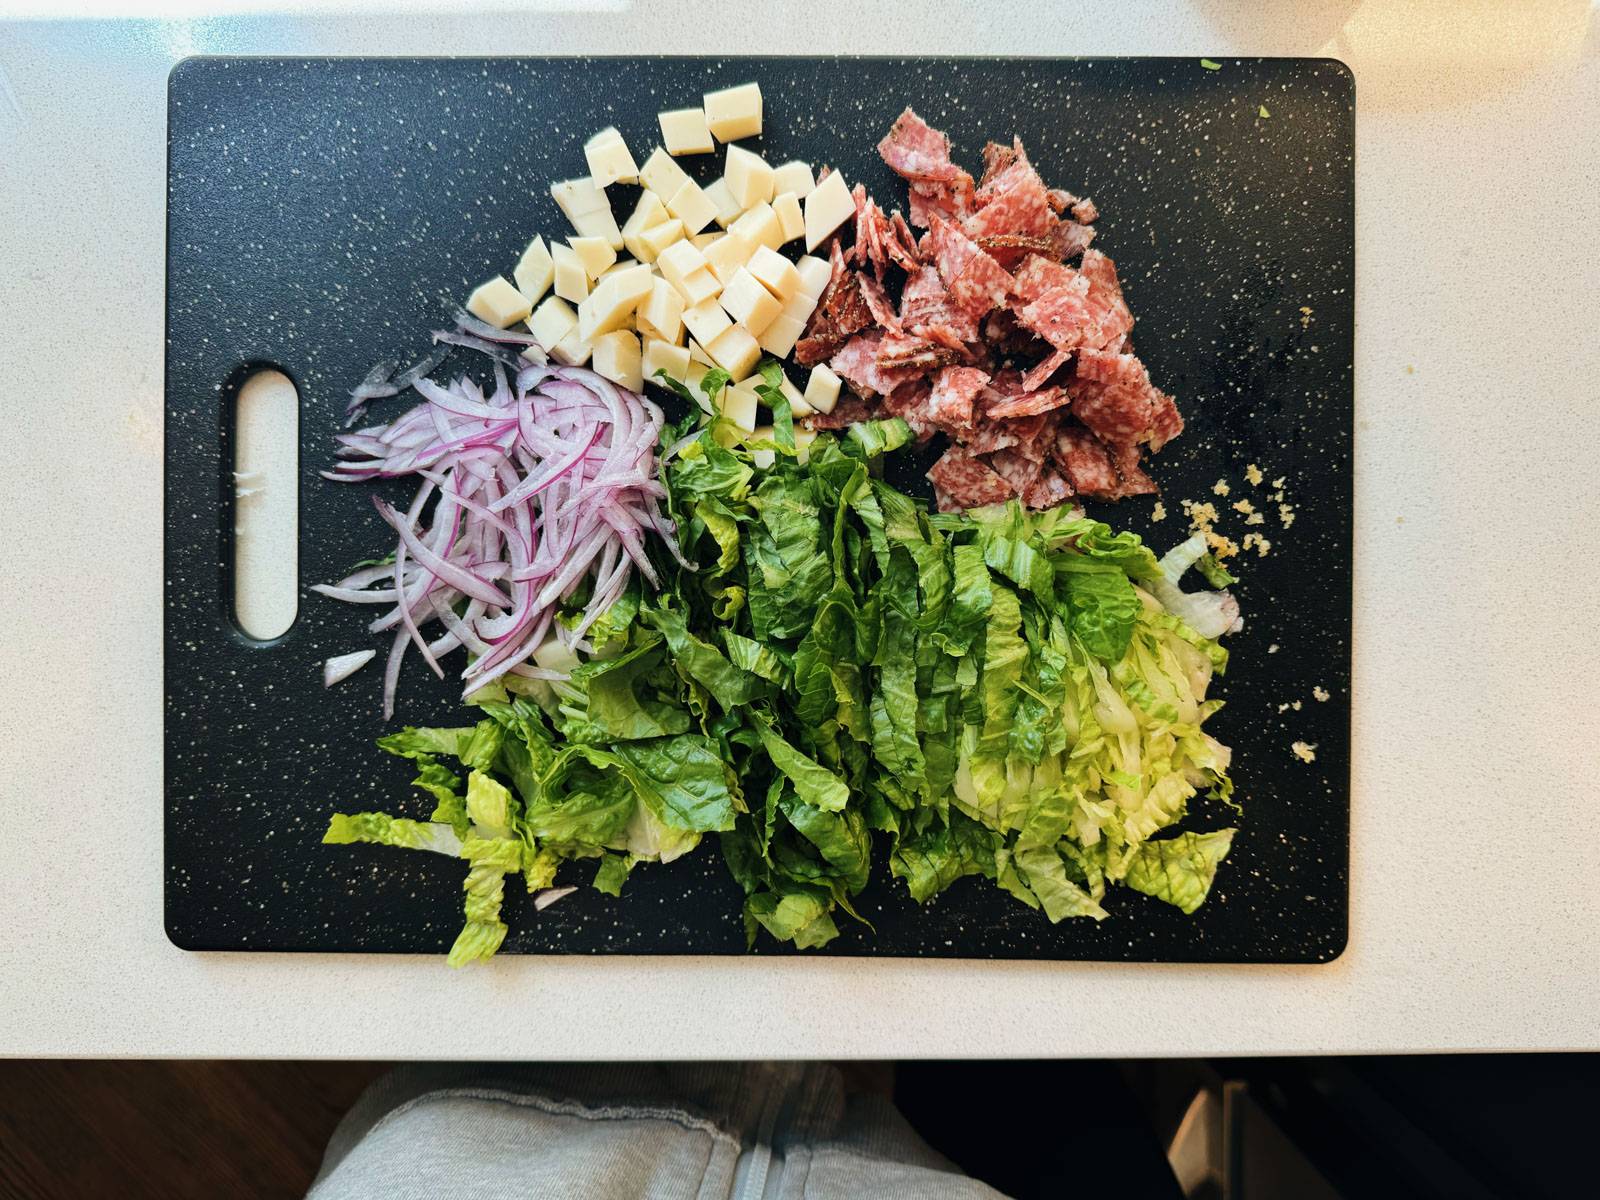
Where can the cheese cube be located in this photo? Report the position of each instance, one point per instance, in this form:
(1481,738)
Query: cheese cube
(775,273)
(678,261)
(727,254)
(697,354)
(760,224)
(534,354)
(702,240)
(735,351)
(738,404)
(572,281)
(794,176)
(661,175)
(699,288)
(552,321)
(608,158)
(797,401)
(498,303)
(803,438)
(586,206)
(790,218)
(684,131)
(534,271)
(747,302)
(735,112)
(799,307)
(706,321)
(594,253)
(647,214)
(622,264)
(695,377)
(661,313)
(572,350)
(828,206)
(822,389)
(616,356)
(663,356)
(748,177)
(814,274)
(728,209)
(661,236)
(762,457)
(612,302)
(780,335)
(692,206)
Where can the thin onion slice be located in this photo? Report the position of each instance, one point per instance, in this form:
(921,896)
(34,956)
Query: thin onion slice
(538,497)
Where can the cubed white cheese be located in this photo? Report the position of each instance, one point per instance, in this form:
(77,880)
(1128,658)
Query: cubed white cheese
(699,288)
(814,274)
(586,206)
(728,209)
(799,307)
(763,457)
(613,302)
(661,236)
(791,220)
(498,303)
(534,354)
(822,389)
(594,253)
(534,272)
(727,254)
(678,261)
(698,354)
(828,206)
(572,281)
(780,335)
(663,356)
(739,405)
(735,112)
(748,177)
(696,376)
(797,400)
(552,321)
(706,321)
(803,438)
(775,272)
(609,159)
(747,302)
(760,224)
(617,357)
(684,131)
(622,264)
(793,176)
(661,313)
(702,240)
(572,350)
(647,214)
(661,175)
(735,350)
(692,206)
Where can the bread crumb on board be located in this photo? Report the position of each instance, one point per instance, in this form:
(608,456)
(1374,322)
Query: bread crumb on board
(1254,475)
(1220,487)
(1320,693)
(1159,512)
(1306,752)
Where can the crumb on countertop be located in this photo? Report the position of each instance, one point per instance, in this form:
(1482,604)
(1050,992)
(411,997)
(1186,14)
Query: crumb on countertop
(1320,693)
(1305,752)
(1159,512)
(1272,649)
(1286,514)
(1254,475)
(1243,506)
(1220,487)
(1260,544)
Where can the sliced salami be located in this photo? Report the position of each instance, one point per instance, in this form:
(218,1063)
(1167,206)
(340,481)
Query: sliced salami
(950,402)
(964,482)
(856,362)
(1030,404)
(975,281)
(1039,374)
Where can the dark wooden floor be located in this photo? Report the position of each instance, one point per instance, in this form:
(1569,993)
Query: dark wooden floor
(169,1129)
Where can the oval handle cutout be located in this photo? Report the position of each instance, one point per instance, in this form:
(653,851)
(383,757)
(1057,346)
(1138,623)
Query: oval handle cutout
(266,505)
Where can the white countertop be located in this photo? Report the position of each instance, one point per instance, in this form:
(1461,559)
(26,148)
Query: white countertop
(1475,873)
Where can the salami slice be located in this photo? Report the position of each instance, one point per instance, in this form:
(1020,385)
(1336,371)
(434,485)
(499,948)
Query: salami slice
(899,350)
(877,302)
(918,152)
(850,410)
(950,402)
(1086,464)
(1019,472)
(856,362)
(964,482)
(1105,294)
(841,311)
(1118,413)
(1048,490)
(1030,404)
(975,281)
(1039,374)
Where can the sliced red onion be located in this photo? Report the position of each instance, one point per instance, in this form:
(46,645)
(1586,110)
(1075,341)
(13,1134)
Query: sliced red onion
(544,483)
(341,666)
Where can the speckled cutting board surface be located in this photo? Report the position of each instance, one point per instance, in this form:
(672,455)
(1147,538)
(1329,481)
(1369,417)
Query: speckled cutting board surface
(327,214)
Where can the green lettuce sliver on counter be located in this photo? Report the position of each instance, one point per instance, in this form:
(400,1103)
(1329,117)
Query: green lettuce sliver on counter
(846,682)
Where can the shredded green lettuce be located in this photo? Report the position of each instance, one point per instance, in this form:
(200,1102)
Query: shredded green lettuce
(1007,695)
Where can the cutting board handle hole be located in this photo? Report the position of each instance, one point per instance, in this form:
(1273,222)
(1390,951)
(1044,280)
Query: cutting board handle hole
(265,490)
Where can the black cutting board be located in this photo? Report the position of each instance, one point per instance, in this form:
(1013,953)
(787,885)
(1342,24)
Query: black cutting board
(326,214)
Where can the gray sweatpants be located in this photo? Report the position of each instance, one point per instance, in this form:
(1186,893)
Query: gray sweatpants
(751,1131)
